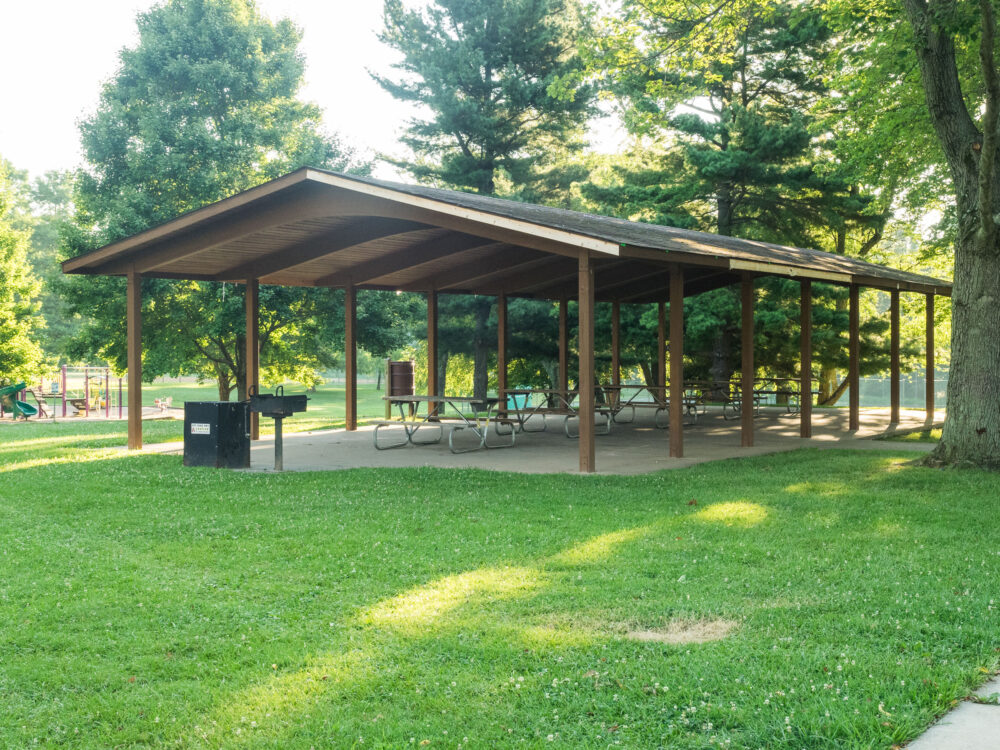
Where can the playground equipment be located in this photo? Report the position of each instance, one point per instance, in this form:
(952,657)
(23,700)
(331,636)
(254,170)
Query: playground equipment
(81,391)
(89,391)
(8,397)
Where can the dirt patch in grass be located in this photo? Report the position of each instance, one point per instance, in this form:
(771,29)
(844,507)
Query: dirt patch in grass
(684,631)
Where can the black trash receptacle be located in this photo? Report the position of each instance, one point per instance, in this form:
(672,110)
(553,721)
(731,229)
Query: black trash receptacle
(217,433)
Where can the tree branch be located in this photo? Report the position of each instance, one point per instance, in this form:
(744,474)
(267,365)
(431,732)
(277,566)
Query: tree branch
(939,71)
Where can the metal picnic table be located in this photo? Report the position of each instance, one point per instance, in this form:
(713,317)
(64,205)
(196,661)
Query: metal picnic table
(556,402)
(465,412)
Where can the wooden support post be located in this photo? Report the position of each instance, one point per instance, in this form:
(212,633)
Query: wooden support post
(854,360)
(351,358)
(563,384)
(616,344)
(894,356)
(661,344)
(432,349)
(586,347)
(746,349)
(929,366)
(501,350)
(251,303)
(134,336)
(805,357)
(676,361)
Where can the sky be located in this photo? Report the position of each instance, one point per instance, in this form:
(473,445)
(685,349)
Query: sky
(57,53)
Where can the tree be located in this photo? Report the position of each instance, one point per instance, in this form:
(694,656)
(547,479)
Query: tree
(20,354)
(484,69)
(963,104)
(729,86)
(728,92)
(41,207)
(203,107)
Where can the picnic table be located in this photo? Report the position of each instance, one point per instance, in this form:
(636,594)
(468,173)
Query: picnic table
(786,392)
(464,412)
(640,396)
(553,402)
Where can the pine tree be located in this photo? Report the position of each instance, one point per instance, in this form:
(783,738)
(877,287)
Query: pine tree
(727,89)
(484,70)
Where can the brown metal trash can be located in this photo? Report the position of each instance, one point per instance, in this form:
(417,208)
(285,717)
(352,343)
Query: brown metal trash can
(399,380)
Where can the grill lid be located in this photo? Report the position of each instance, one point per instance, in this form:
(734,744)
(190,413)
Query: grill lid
(277,404)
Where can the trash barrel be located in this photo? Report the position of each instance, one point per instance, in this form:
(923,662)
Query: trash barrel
(217,433)
(399,379)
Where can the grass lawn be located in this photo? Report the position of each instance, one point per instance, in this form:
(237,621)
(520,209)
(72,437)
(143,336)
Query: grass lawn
(325,409)
(147,605)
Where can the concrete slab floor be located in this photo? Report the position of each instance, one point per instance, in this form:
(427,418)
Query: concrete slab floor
(634,448)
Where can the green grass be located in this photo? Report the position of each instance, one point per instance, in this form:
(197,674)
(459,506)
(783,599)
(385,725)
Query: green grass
(325,411)
(325,408)
(147,605)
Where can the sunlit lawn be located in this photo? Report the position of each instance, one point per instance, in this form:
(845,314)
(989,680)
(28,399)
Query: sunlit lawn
(144,604)
(325,410)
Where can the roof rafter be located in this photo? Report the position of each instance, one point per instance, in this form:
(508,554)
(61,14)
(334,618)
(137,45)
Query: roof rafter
(499,258)
(424,252)
(328,243)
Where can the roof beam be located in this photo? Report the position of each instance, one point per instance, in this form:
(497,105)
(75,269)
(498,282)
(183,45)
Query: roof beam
(776,269)
(555,286)
(466,218)
(328,243)
(500,258)
(651,285)
(887,284)
(512,276)
(390,263)
(247,220)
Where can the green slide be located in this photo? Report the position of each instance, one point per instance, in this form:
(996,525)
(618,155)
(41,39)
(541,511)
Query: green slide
(17,408)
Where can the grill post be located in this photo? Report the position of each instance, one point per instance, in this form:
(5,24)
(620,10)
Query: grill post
(279,449)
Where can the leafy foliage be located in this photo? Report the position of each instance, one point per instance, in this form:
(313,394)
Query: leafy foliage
(483,69)
(203,107)
(20,325)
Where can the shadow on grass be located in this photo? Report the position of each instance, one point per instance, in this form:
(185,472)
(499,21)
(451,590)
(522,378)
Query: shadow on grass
(495,605)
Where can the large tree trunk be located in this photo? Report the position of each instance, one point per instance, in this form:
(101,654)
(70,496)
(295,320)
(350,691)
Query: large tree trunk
(442,373)
(834,394)
(721,369)
(972,427)
(482,347)
(224,379)
(829,391)
(647,373)
(241,368)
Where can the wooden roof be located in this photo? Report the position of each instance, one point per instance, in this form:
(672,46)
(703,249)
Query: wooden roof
(319,228)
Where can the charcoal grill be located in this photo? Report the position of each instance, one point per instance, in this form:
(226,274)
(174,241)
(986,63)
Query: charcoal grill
(277,406)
